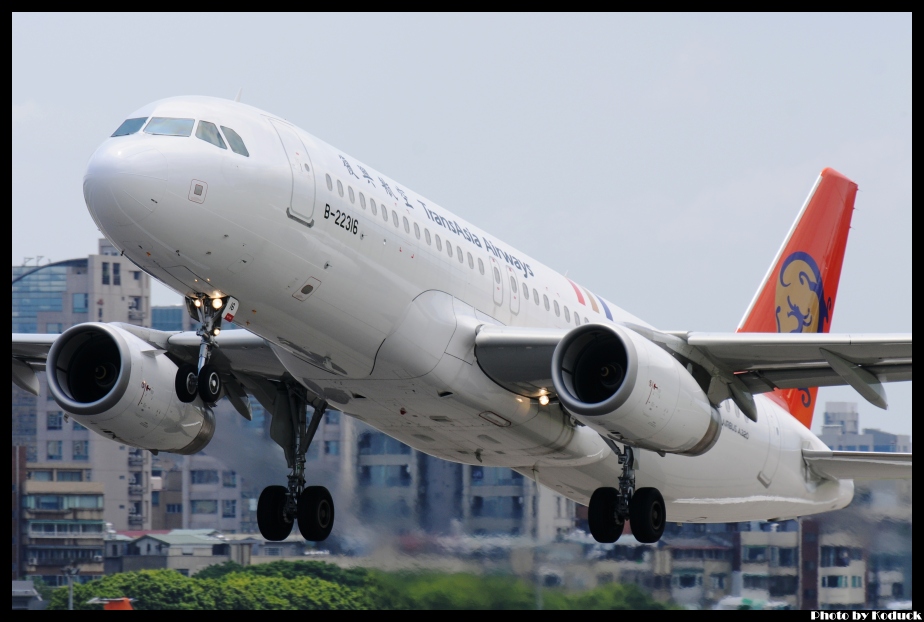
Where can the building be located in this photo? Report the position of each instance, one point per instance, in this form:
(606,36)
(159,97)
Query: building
(18,472)
(185,550)
(51,298)
(198,492)
(841,432)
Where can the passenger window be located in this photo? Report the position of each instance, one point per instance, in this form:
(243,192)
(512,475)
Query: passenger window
(459,254)
(417,230)
(330,184)
(448,248)
(496,275)
(385,213)
(234,139)
(513,285)
(209,133)
(394,218)
(372,205)
(535,296)
(439,242)
(525,291)
(471,261)
(577,319)
(480,266)
(129,126)
(339,188)
(407,225)
(567,315)
(545,301)
(352,196)
(427,235)
(557,309)
(362,200)
(167,126)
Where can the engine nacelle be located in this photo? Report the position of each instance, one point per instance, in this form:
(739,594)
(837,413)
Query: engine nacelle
(628,389)
(121,387)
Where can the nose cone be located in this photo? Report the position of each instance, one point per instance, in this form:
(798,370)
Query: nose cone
(125,181)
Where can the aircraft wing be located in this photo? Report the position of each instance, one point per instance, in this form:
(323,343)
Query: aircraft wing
(858,464)
(519,359)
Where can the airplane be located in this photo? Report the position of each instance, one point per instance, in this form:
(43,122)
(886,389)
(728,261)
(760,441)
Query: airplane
(357,293)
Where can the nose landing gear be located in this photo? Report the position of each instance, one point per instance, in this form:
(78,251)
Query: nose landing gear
(203,379)
(610,507)
(279,506)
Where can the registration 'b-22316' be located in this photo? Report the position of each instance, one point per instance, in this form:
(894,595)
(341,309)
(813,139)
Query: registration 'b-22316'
(358,294)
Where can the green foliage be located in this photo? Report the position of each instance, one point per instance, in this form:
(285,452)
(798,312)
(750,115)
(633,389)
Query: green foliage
(316,585)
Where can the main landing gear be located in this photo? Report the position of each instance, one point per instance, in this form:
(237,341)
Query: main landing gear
(610,507)
(203,379)
(311,506)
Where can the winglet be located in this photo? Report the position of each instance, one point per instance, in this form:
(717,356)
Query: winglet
(237,97)
(798,293)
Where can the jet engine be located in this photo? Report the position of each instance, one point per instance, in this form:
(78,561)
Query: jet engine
(123,388)
(629,389)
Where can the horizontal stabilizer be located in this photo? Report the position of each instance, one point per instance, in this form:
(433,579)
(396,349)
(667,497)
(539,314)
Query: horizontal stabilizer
(858,464)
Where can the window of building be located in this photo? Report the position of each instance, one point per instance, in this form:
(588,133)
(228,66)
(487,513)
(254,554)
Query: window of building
(332,448)
(229,508)
(54,449)
(385,476)
(332,417)
(81,450)
(106,273)
(788,557)
(372,206)
(69,476)
(166,126)
(352,196)
(362,200)
(203,506)
(272,551)
(339,188)
(129,126)
(480,266)
(378,444)
(40,476)
(54,328)
(80,302)
(834,580)
(54,421)
(330,182)
(203,476)
(236,142)
(229,479)
(174,508)
(116,273)
(209,133)
(155,498)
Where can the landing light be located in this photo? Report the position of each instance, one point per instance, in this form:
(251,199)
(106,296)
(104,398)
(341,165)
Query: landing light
(216,331)
(544,400)
(197,302)
(216,303)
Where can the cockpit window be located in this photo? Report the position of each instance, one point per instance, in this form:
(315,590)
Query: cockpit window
(167,126)
(130,126)
(237,145)
(209,133)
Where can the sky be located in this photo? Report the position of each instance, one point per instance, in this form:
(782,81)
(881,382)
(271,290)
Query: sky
(658,159)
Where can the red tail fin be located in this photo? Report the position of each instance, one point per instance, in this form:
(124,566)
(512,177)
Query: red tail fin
(798,293)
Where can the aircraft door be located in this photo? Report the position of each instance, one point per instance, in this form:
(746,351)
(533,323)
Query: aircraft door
(774,446)
(301,202)
(514,290)
(497,280)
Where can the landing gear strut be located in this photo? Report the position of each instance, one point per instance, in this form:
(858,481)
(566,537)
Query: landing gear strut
(610,507)
(203,379)
(311,506)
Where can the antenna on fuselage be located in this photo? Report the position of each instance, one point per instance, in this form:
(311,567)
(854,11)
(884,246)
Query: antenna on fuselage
(237,97)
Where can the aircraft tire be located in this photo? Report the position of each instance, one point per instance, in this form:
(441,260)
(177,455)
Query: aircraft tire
(605,525)
(647,515)
(209,384)
(187,383)
(315,513)
(271,514)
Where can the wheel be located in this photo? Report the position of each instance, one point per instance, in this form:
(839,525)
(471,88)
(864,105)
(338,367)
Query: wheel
(209,384)
(271,518)
(647,515)
(187,383)
(315,513)
(605,525)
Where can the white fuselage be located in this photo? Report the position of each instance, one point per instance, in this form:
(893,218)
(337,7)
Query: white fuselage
(374,308)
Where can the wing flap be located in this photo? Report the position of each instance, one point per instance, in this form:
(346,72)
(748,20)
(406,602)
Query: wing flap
(858,464)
